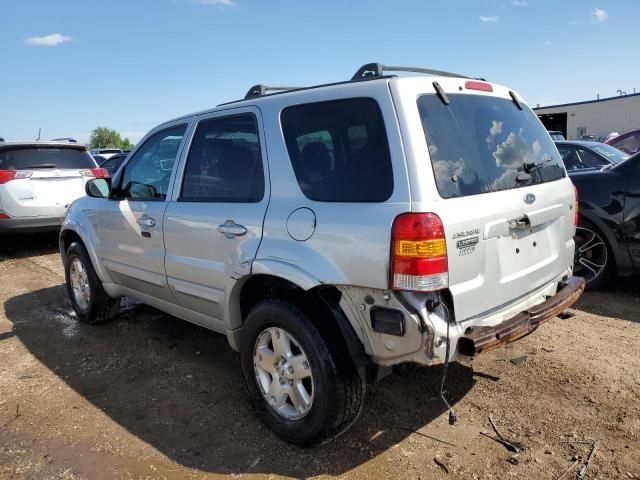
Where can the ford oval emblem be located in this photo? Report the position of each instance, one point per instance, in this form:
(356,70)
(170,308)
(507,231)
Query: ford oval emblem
(529,198)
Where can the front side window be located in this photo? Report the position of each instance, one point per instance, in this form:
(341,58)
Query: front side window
(480,144)
(590,159)
(224,163)
(339,150)
(146,176)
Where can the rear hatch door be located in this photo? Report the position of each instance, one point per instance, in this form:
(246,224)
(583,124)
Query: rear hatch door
(493,175)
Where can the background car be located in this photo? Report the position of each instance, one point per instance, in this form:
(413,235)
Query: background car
(608,233)
(589,138)
(38,180)
(105,152)
(556,135)
(111,164)
(578,155)
(627,142)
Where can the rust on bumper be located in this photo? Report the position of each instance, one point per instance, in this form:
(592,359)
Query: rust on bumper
(480,339)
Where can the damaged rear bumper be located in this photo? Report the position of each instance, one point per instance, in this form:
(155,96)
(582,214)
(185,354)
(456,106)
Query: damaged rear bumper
(479,339)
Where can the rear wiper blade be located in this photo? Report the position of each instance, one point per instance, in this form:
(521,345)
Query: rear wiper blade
(532,167)
(41,165)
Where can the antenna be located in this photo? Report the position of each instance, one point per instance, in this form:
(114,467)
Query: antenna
(39,134)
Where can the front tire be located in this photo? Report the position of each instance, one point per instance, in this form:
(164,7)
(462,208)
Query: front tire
(88,298)
(294,375)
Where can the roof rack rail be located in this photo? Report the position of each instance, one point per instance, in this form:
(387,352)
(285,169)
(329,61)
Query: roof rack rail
(260,90)
(378,69)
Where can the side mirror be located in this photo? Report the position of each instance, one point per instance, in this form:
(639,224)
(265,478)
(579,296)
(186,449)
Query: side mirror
(98,187)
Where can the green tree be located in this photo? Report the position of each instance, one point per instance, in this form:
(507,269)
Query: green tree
(126,144)
(103,137)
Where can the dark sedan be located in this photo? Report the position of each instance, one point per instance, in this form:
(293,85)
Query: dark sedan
(578,155)
(112,163)
(608,234)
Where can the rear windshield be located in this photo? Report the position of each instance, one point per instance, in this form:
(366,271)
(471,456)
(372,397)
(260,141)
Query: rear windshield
(612,153)
(480,144)
(29,158)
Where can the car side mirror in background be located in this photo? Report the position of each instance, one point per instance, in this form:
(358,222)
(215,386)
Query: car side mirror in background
(98,187)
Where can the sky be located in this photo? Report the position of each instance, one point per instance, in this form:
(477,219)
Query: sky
(69,66)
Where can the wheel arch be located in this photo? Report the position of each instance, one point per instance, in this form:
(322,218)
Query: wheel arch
(621,257)
(320,302)
(68,235)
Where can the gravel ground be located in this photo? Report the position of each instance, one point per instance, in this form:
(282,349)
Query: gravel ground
(151,396)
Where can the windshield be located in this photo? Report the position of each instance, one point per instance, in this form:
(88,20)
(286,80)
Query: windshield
(47,157)
(612,153)
(480,144)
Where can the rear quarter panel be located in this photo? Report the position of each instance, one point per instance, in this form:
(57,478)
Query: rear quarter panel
(351,241)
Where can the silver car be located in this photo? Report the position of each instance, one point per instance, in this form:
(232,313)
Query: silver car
(335,231)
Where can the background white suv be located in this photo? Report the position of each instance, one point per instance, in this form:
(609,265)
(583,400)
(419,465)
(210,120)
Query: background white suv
(38,181)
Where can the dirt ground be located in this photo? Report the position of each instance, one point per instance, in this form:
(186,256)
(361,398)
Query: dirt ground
(151,396)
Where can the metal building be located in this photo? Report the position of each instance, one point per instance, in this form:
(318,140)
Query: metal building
(595,117)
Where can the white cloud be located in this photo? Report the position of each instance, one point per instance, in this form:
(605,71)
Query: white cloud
(496,129)
(52,40)
(220,3)
(547,43)
(599,15)
(493,19)
(519,3)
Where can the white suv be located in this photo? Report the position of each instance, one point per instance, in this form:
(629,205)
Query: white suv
(38,180)
(332,232)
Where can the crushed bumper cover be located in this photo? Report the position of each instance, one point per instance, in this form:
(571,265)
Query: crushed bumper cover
(479,339)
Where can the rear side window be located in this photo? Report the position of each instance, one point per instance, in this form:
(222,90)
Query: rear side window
(339,150)
(42,158)
(480,144)
(224,163)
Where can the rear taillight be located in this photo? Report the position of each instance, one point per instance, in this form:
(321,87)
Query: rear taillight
(4,216)
(482,86)
(575,208)
(95,173)
(418,253)
(8,175)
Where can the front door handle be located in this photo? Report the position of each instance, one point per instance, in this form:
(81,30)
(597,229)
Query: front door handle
(231,229)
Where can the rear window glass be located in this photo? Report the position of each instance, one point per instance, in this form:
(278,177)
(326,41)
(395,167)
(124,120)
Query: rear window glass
(339,150)
(29,158)
(480,144)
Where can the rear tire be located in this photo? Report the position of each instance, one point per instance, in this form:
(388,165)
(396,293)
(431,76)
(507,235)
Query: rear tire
(90,301)
(301,390)
(593,257)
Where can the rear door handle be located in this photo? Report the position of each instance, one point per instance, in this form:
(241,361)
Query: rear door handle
(231,229)
(147,221)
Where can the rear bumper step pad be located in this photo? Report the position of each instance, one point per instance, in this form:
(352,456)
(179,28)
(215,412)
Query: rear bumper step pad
(479,339)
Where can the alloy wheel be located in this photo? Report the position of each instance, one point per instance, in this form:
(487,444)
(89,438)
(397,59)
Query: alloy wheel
(283,373)
(80,284)
(591,254)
